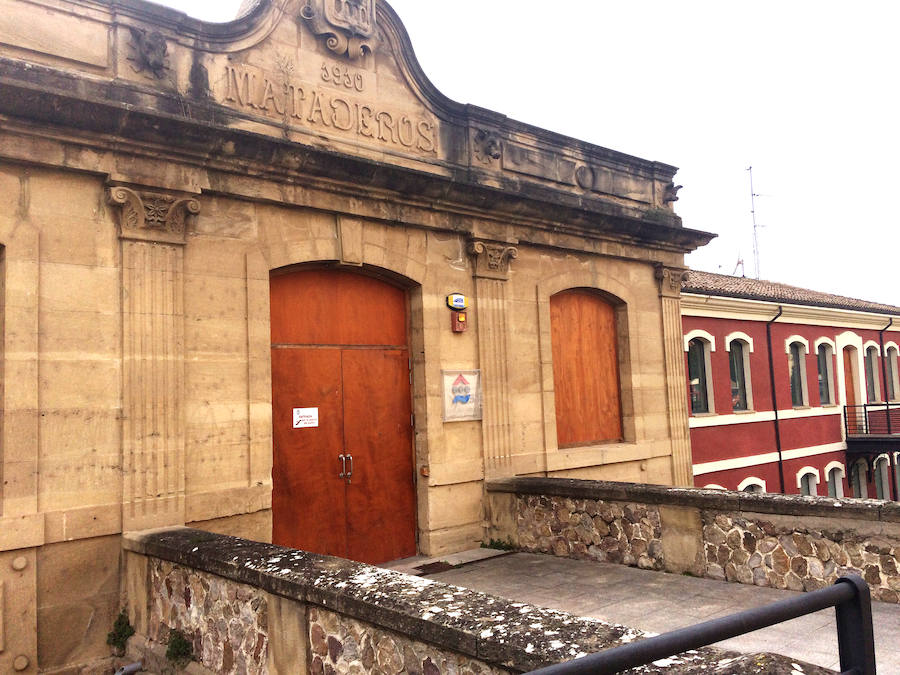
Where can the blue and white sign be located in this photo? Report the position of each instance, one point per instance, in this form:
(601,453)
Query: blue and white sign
(457,301)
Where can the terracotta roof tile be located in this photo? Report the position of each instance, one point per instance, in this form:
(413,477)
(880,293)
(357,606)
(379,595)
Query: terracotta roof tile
(708,283)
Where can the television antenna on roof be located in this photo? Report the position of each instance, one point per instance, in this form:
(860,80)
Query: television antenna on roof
(756,227)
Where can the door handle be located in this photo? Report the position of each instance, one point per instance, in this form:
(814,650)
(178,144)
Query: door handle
(343,459)
(350,473)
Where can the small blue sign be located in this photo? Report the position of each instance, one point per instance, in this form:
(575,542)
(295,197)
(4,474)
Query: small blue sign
(457,301)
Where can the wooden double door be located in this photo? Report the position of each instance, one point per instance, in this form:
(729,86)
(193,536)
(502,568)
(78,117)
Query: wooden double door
(343,477)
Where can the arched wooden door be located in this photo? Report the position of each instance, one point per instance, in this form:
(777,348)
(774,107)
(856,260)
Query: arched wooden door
(343,480)
(854,416)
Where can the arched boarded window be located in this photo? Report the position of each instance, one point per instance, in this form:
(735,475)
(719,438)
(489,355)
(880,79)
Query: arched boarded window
(584,337)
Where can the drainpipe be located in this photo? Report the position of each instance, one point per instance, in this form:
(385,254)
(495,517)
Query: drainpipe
(774,399)
(887,406)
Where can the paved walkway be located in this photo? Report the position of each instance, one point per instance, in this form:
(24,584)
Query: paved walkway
(659,602)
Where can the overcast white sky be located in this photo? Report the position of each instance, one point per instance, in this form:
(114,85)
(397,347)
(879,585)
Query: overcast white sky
(805,91)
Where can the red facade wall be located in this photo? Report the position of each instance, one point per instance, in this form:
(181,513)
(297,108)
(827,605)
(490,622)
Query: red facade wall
(744,440)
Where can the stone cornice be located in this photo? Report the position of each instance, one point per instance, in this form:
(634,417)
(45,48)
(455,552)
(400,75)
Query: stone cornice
(67,104)
(714,306)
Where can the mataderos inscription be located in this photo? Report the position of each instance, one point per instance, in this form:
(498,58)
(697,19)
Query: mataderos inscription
(302,104)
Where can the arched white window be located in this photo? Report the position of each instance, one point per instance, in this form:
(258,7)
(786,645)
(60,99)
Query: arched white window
(808,481)
(825,370)
(753,485)
(797,350)
(883,477)
(739,346)
(699,369)
(858,479)
(713,486)
(873,387)
(890,367)
(835,473)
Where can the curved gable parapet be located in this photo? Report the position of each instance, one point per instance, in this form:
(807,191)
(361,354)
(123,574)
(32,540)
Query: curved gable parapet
(338,83)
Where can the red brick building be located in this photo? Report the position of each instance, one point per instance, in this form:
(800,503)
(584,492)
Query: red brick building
(791,390)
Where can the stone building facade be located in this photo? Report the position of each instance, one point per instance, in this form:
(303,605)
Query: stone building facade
(159,174)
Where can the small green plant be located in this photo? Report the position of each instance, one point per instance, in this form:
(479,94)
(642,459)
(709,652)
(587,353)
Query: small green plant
(121,631)
(499,544)
(179,650)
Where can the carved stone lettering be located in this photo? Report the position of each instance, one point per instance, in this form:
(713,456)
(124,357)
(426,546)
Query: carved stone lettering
(152,216)
(303,105)
(347,26)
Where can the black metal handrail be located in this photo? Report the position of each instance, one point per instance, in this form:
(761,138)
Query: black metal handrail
(849,596)
(872,419)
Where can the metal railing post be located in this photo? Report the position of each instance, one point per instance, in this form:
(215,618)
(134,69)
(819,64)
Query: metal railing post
(848,595)
(856,640)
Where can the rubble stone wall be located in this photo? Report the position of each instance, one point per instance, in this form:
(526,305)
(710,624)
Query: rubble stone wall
(255,608)
(628,534)
(779,541)
(757,551)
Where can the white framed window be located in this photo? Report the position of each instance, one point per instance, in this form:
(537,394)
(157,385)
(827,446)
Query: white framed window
(891,353)
(808,481)
(835,473)
(825,371)
(753,485)
(739,347)
(873,388)
(882,477)
(713,486)
(699,368)
(797,350)
(858,479)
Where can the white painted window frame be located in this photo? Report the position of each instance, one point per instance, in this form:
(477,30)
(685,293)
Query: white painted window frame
(882,477)
(752,480)
(892,354)
(829,367)
(714,486)
(804,388)
(876,380)
(809,471)
(747,342)
(709,346)
(839,483)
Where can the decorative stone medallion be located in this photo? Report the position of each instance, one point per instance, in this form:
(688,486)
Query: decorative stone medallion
(347,26)
(149,52)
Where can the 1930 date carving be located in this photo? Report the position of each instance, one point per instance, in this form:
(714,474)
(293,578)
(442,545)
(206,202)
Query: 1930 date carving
(343,77)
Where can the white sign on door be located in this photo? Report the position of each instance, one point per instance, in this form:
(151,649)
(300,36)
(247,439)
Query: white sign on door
(306,418)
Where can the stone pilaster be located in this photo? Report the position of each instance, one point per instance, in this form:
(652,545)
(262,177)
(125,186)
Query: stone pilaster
(492,306)
(152,235)
(670,281)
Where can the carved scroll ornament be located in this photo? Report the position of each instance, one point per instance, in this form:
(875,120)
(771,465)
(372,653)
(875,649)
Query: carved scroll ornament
(492,260)
(670,280)
(153,216)
(347,26)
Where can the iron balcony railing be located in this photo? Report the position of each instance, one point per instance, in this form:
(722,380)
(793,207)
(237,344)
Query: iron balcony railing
(872,419)
(849,596)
